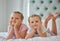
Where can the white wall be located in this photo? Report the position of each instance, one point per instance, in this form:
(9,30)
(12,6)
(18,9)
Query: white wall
(6,7)
(3,15)
(26,11)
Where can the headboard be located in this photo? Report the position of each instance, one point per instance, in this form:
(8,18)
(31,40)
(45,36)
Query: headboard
(44,7)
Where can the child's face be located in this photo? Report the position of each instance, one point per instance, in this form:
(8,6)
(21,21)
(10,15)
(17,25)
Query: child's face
(15,18)
(35,22)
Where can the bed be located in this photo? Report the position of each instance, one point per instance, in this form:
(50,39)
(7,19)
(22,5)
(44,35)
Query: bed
(51,38)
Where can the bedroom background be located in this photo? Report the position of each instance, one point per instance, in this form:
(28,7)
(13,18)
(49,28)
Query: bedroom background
(27,7)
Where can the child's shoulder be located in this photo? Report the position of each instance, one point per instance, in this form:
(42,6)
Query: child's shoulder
(23,25)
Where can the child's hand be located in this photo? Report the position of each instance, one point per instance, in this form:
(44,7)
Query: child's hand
(39,28)
(34,30)
(11,27)
(56,15)
(10,24)
(53,18)
(16,25)
(49,17)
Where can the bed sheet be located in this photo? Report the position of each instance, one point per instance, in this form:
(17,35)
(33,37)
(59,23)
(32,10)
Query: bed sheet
(51,38)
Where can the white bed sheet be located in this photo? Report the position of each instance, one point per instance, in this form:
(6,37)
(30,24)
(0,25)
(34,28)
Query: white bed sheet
(51,38)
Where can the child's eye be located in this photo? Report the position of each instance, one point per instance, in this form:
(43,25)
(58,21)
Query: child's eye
(12,18)
(32,22)
(36,21)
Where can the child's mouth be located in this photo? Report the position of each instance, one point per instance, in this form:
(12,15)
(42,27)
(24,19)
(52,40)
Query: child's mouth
(13,23)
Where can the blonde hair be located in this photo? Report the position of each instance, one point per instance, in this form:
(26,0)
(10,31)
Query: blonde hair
(34,15)
(17,12)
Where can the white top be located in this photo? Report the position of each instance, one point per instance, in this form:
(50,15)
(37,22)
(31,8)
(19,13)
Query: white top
(43,29)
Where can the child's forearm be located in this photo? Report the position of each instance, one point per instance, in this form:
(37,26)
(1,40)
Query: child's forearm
(54,29)
(47,19)
(30,34)
(46,22)
(16,31)
(18,34)
(41,34)
(10,35)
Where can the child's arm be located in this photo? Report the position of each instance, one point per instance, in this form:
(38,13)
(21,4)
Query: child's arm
(18,34)
(30,34)
(54,29)
(40,33)
(10,34)
(47,19)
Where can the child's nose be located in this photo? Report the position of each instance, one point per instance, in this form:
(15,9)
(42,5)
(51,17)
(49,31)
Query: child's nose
(34,23)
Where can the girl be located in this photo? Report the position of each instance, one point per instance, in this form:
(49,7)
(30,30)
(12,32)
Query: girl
(16,28)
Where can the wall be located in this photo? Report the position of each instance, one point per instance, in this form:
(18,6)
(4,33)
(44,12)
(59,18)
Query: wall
(6,7)
(3,15)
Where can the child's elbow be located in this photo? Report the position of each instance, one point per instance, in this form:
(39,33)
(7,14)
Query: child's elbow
(55,33)
(26,37)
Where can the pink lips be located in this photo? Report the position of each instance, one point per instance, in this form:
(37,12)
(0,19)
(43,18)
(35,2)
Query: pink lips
(35,26)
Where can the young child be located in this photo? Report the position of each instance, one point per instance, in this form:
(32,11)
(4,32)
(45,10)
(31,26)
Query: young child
(37,29)
(16,28)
